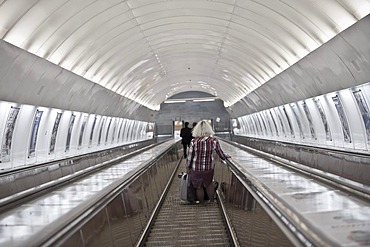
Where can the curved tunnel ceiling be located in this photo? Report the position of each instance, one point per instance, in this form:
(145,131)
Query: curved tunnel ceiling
(149,50)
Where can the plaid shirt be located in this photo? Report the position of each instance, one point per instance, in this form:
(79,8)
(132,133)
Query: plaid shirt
(200,154)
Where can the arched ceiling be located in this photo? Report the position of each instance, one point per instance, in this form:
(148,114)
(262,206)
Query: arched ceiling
(149,50)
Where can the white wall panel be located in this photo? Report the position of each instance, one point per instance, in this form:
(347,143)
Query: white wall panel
(326,121)
(284,122)
(89,132)
(244,126)
(43,136)
(4,112)
(127,131)
(77,128)
(134,131)
(269,131)
(62,134)
(365,90)
(273,124)
(304,123)
(5,109)
(140,128)
(75,134)
(252,125)
(281,133)
(119,130)
(101,128)
(333,119)
(53,115)
(85,132)
(21,138)
(354,119)
(107,129)
(265,129)
(108,132)
(122,134)
(242,130)
(98,123)
(127,135)
(293,122)
(140,131)
(111,131)
(255,125)
(279,121)
(114,131)
(20,143)
(316,122)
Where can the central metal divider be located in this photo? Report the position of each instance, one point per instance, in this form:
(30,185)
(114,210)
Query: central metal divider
(178,223)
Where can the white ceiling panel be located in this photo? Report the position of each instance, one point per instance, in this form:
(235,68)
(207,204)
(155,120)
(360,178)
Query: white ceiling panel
(149,50)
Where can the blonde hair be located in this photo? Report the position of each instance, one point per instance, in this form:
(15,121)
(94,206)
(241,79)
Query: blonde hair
(203,129)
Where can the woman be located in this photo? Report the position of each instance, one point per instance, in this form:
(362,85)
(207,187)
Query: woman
(200,161)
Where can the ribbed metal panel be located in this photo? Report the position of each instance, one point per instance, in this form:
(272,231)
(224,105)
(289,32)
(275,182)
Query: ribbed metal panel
(181,224)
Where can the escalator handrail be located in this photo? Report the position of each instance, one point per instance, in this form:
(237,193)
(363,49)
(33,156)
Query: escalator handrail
(281,214)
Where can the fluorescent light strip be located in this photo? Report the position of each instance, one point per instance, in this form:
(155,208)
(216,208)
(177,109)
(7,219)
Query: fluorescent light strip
(174,101)
(203,100)
(169,101)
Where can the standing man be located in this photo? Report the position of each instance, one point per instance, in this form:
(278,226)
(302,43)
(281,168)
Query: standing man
(186,136)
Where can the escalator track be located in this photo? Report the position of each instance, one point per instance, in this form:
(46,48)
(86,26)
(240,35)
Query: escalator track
(182,224)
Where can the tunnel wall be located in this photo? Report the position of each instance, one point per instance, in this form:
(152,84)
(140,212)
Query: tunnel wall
(342,62)
(28,79)
(191,111)
(338,120)
(32,134)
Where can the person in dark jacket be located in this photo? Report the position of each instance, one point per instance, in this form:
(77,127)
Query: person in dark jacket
(185,134)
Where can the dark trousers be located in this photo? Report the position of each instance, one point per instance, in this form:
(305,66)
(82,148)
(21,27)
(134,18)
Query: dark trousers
(185,146)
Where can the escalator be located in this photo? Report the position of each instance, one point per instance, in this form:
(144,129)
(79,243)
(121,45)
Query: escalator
(181,224)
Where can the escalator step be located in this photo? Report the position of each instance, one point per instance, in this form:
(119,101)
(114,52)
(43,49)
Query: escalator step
(181,224)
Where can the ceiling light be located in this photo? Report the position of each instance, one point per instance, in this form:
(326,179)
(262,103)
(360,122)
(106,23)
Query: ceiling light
(203,100)
(174,101)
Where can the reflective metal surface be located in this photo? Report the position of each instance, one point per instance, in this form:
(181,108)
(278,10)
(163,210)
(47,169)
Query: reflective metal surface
(336,218)
(353,166)
(32,220)
(32,178)
(129,211)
